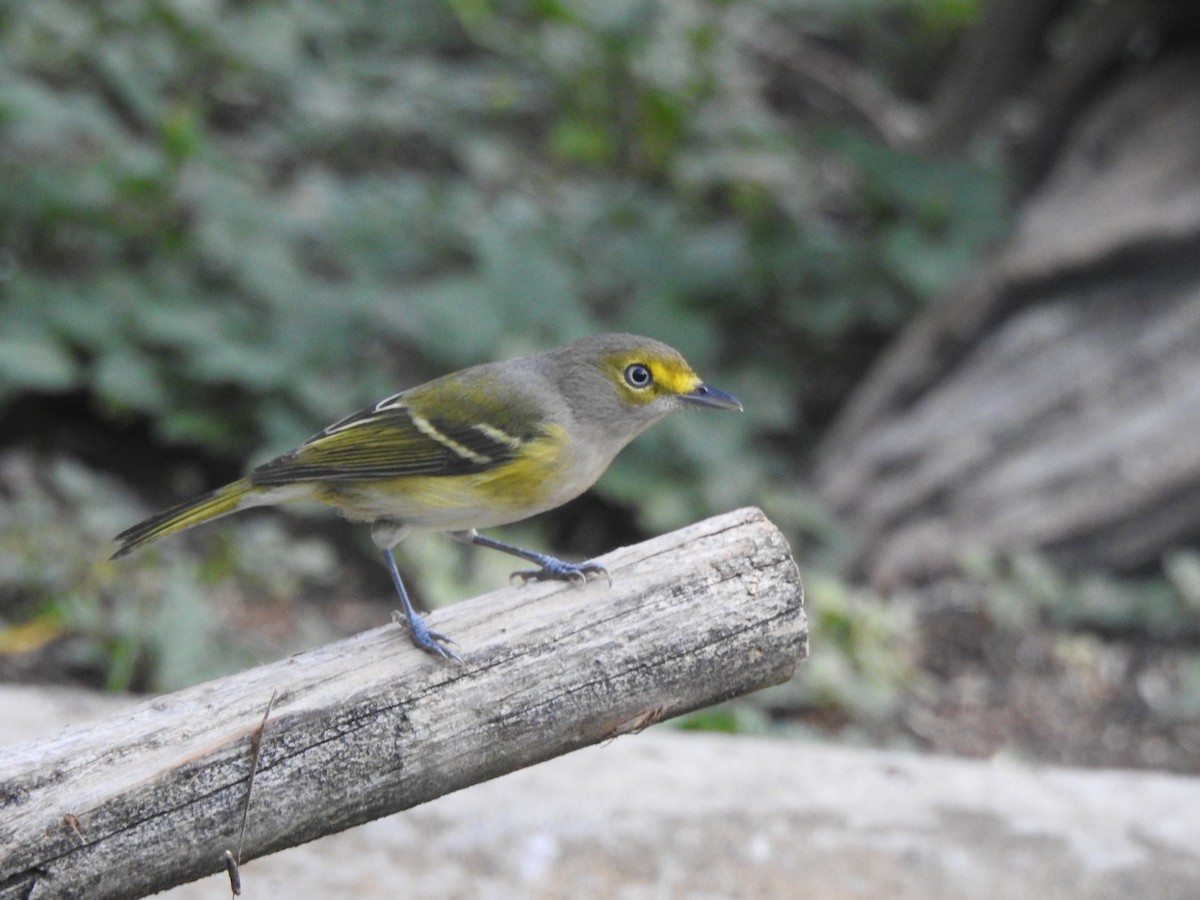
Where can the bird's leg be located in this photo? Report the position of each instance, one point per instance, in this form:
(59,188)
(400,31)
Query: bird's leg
(422,635)
(550,568)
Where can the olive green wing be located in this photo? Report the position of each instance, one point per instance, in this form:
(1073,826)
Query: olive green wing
(448,427)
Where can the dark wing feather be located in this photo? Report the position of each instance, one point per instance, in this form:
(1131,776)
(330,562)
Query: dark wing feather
(392,439)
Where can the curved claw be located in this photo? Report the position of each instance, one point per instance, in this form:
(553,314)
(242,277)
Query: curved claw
(556,570)
(425,637)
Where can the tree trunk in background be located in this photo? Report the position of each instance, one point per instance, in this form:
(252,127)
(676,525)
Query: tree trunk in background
(1054,402)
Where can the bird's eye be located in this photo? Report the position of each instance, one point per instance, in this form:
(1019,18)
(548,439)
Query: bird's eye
(638,376)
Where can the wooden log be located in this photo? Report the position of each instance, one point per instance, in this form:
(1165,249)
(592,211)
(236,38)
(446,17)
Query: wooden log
(370,725)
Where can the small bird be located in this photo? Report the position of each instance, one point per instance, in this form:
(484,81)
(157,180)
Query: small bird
(481,447)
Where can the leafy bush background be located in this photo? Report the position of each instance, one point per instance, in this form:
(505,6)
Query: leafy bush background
(223,225)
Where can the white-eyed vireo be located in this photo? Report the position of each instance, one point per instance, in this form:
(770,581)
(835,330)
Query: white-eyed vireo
(486,446)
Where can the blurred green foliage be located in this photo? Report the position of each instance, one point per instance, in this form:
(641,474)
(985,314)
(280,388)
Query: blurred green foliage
(159,626)
(243,220)
(1028,588)
(236,222)
(862,663)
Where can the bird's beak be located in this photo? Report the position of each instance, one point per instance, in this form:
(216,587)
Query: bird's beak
(710,397)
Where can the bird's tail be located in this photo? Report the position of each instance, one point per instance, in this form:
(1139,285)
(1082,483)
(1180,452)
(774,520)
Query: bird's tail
(212,505)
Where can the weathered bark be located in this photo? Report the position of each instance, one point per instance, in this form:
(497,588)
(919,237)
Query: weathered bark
(1055,402)
(1022,75)
(370,725)
(991,66)
(690,815)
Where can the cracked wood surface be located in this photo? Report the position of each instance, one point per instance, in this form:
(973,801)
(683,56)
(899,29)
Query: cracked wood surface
(369,726)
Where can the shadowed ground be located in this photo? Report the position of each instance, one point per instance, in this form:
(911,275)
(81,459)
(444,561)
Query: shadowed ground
(670,814)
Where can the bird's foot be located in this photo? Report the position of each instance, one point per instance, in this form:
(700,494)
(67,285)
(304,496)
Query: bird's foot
(556,570)
(425,637)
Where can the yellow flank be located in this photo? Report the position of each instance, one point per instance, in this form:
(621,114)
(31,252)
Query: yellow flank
(540,463)
(481,499)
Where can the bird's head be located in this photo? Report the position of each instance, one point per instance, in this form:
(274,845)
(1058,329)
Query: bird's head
(623,383)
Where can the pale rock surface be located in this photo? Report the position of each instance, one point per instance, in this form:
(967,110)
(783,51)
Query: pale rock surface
(666,814)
